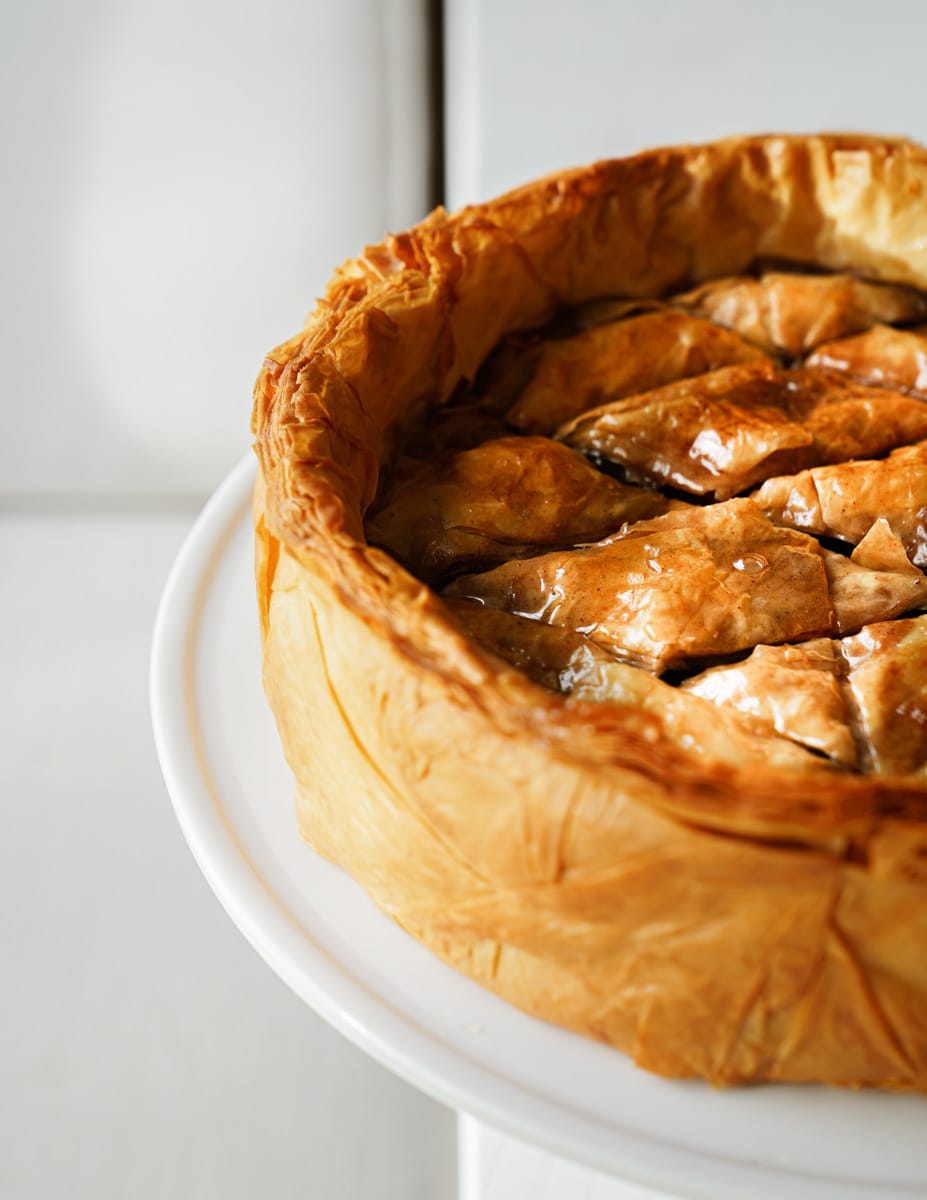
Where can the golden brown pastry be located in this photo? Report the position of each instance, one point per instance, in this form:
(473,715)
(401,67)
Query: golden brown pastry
(701,583)
(888,680)
(792,313)
(847,419)
(618,359)
(689,720)
(896,358)
(567,840)
(863,697)
(502,499)
(877,580)
(845,500)
(542,651)
(717,433)
(723,431)
(795,690)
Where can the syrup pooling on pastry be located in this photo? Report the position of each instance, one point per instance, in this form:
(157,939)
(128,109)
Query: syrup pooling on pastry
(697,584)
(726,430)
(565,559)
(564,660)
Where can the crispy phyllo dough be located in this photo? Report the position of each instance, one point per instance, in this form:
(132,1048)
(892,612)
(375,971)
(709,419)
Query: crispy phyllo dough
(500,500)
(849,419)
(718,433)
(845,500)
(888,357)
(565,661)
(697,584)
(887,676)
(542,652)
(686,718)
(618,359)
(861,700)
(794,690)
(724,431)
(875,583)
(724,895)
(792,313)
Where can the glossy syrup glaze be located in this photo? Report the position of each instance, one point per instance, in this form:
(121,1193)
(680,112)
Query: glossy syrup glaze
(712,508)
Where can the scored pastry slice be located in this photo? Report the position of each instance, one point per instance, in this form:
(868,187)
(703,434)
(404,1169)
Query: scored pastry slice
(876,582)
(726,430)
(499,500)
(618,359)
(563,660)
(794,690)
(887,676)
(845,500)
(695,584)
(792,312)
(850,419)
(719,432)
(542,652)
(861,700)
(891,357)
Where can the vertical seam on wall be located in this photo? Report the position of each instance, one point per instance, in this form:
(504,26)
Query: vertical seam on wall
(437,177)
(462,101)
(406,121)
(384,117)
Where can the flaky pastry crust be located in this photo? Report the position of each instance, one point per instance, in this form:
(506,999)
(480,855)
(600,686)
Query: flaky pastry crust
(708,918)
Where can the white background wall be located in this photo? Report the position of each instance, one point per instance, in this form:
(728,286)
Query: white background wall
(178,181)
(534,85)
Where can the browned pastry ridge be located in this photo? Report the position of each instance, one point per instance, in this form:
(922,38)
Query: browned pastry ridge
(712,911)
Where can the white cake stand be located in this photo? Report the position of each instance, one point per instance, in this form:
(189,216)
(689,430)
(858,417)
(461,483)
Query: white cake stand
(571,1097)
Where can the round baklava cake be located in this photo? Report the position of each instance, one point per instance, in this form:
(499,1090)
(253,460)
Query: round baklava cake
(591,530)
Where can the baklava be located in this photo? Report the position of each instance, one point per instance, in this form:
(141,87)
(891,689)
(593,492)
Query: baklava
(591,528)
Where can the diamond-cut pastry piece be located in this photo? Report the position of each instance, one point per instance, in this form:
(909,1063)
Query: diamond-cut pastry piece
(850,419)
(792,313)
(793,690)
(621,359)
(719,432)
(875,583)
(726,430)
(696,584)
(891,357)
(563,660)
(687,719)
(888,680)
(502,499)
(845,500)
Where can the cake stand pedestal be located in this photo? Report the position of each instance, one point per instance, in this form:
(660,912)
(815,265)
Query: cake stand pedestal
(493,1166)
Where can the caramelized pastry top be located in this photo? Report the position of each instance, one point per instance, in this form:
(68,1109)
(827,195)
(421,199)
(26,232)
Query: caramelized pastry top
(792,313)
(641,489)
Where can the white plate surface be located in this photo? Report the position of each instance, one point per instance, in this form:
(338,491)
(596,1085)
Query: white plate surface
(233,797)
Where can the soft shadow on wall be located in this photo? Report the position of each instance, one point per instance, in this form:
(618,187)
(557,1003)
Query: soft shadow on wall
(184,177)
